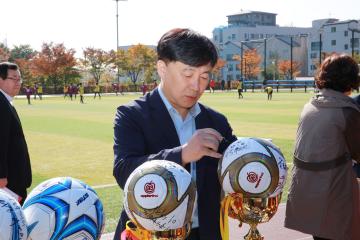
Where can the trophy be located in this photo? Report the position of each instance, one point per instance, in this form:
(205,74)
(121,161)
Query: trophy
(159,199)
(252,173)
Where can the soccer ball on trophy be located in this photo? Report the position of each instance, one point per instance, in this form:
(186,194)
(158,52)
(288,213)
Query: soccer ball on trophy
(12,220)
(159,199)
(252,174)
(64,208)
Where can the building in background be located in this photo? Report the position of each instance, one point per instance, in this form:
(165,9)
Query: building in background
(250,29)
(276,48)
(334,36)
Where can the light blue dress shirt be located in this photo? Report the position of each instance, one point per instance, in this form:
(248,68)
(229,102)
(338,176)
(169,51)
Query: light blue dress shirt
(185,129)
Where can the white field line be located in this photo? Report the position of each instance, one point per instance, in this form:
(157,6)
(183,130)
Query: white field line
(104,186)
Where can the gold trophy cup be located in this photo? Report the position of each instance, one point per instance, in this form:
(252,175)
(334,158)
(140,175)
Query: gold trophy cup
(252,173)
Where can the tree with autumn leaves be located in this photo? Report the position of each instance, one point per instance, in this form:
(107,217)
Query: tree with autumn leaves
(251,63)
(22,55)
(284,69)
(138,60)
(96,62)
(55,64)
(220,63)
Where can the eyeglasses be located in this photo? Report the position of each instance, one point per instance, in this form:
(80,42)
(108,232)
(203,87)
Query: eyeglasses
(16,80)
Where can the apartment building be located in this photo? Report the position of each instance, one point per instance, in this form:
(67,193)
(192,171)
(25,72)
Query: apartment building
(334,36)
(250,29)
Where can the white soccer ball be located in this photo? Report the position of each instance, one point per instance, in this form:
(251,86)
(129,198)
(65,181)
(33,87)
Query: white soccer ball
(159,196)
(12,219)
(253,167)
(64,208)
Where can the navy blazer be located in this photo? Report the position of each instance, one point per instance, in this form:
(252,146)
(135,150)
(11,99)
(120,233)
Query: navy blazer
(14,156)
(144,131)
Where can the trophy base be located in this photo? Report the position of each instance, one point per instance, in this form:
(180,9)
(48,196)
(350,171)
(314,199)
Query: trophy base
(253,234)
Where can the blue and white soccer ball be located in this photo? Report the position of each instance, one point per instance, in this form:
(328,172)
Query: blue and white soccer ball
(12,220)
(64,208)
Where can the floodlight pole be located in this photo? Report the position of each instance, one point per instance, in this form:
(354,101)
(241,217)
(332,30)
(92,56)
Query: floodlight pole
(265,60)
(241,61)
(117,36)
(320,47)
(291,58)
(352,43)
(353,26)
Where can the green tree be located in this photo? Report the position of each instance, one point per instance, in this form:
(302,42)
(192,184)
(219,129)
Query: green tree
(22,52)
(22,55)
(96,61)
(138,59)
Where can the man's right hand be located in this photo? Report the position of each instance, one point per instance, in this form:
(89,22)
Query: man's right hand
(3,182)
(204,142)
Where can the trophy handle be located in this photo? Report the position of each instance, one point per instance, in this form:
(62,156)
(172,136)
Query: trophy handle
(253,233)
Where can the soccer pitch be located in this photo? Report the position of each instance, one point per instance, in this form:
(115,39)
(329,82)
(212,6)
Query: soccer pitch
(66,138)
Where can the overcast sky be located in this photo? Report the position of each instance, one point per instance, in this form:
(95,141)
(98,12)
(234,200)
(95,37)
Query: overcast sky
(92,23)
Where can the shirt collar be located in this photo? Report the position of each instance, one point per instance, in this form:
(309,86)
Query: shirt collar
(8,97)
(194,110)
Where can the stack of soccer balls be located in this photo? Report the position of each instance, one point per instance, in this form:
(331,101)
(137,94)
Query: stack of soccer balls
(12,219)
(59,208)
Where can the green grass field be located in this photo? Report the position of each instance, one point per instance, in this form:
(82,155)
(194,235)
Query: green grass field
(66,138)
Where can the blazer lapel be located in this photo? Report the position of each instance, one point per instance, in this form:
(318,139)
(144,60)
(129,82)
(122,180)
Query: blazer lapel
(162,121)
(201,121)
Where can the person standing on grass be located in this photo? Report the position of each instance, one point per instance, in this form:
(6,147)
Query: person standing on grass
(71,91)
(40,91)
(97,90)
(212,85)
(144,88)
(34,90)
(15,167)
(81,92)
(169,123)
(66,91)
(28,92)
(223,85)
(75,90)
(240,89)
(269,91)
(115,87)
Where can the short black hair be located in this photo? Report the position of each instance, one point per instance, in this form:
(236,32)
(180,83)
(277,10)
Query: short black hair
(186,46)
(5,66)
(339,73)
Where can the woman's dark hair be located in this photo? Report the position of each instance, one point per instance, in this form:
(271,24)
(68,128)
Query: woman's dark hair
(4,67)
(339,73)
(188,47)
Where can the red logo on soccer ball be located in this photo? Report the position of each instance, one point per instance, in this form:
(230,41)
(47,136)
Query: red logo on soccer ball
(254,178)
(149,187)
